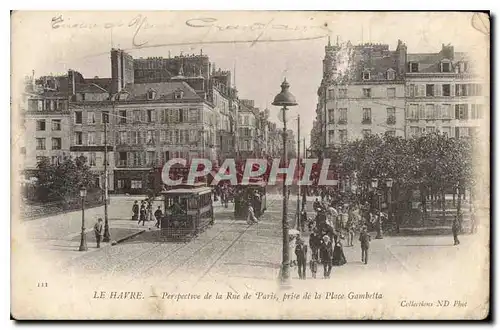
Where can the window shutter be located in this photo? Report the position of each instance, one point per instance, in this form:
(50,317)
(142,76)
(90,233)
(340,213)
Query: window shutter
(421,111)
(439,112)
(129,137)
(452,90)
(457,111)
(466,111)
(161,115)
(421,90)
(437,89)
(157,136)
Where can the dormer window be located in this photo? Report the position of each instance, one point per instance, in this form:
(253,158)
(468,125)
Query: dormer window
(123,96)
(463,67)
(366,75)
(413,67)
(151,94)
(179,94)
(391,74)
(445,66)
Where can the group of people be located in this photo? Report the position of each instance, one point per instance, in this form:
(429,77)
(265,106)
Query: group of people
(331,225)
(145,212)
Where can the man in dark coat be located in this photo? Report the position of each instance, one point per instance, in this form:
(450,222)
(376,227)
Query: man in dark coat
(326,254)
(455,229)
(315,243)
(98,232)
(158,216)
(142,214)
(364,238)
(135,211)
(301,254)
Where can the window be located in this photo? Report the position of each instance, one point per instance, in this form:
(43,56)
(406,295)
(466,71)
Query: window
(429,90)
(40,125)
(245,120)
(136,184)
(151,95)
(367,116)
(40,144)
(151,116)
(91,138)
(476,111)
(391,74)
(342,93)
(150,158)
(331,136)
(391,93)
(391,116)
(474,89)
(430,129)
(343,136)
(137,116)
(122,159)
(367,132)
(429,111)
(179,94)
(194,115)
(446,89)
(461,90)
(445,67)
(463,67)
(56,124)
(55,160)
(105,117)
(446,130)
(92,159)
(390,132)
(366,75)
(150,137)
(331,94)
(415,130)
(40,105)
(343,116)
(123,116)
(446,111)
(78,138)
(121,183)
(461,111)
(331,117)
(78,117)
(91,118)
(122,137)
(413,67)
(367,92)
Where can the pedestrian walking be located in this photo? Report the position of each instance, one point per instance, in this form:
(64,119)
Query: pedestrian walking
(135,211)
(149,209)
(326,254)
(364,238)
(98,232)
(455,229)
(301,254)
(142,215)
(251,219)
(158,216)
(314,243)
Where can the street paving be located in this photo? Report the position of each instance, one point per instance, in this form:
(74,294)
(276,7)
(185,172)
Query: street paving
(231,251)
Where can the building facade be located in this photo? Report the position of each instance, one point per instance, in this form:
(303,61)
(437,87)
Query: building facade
(443,94)
(362,92)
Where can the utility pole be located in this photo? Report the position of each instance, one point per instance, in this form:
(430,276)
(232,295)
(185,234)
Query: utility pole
(298,181)
(326,120)
(106,236)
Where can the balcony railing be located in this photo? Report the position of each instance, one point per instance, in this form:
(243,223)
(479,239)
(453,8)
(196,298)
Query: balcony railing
(366,121)
(391,120)
(342,122)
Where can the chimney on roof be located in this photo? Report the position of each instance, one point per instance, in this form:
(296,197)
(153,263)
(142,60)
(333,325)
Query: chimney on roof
(447,51)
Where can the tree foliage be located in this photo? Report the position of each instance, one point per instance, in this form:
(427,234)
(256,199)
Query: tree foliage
(64,180)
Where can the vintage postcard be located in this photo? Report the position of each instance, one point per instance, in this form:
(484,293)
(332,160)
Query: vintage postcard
(250,165)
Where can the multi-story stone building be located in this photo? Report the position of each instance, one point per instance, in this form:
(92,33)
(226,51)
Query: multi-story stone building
(247,128)
(362,92)
(443,94)
(46,121)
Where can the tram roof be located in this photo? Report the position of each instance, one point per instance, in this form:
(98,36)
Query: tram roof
(187,191)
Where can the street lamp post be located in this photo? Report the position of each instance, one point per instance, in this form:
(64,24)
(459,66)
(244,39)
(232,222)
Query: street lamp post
(377,203)
(83,237)
(285,99)
(388,183)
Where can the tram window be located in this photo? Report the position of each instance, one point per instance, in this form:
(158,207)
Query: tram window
(193,205)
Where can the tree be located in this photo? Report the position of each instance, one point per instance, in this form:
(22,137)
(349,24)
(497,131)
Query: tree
(63,181)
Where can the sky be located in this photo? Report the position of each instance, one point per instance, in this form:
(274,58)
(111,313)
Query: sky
(261,47)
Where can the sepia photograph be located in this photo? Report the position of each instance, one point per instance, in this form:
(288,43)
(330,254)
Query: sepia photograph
(250,165)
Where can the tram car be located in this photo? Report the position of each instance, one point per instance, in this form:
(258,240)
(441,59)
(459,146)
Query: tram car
(253,192)
(188,211)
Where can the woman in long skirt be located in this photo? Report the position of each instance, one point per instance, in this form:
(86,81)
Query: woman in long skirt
(338,253)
